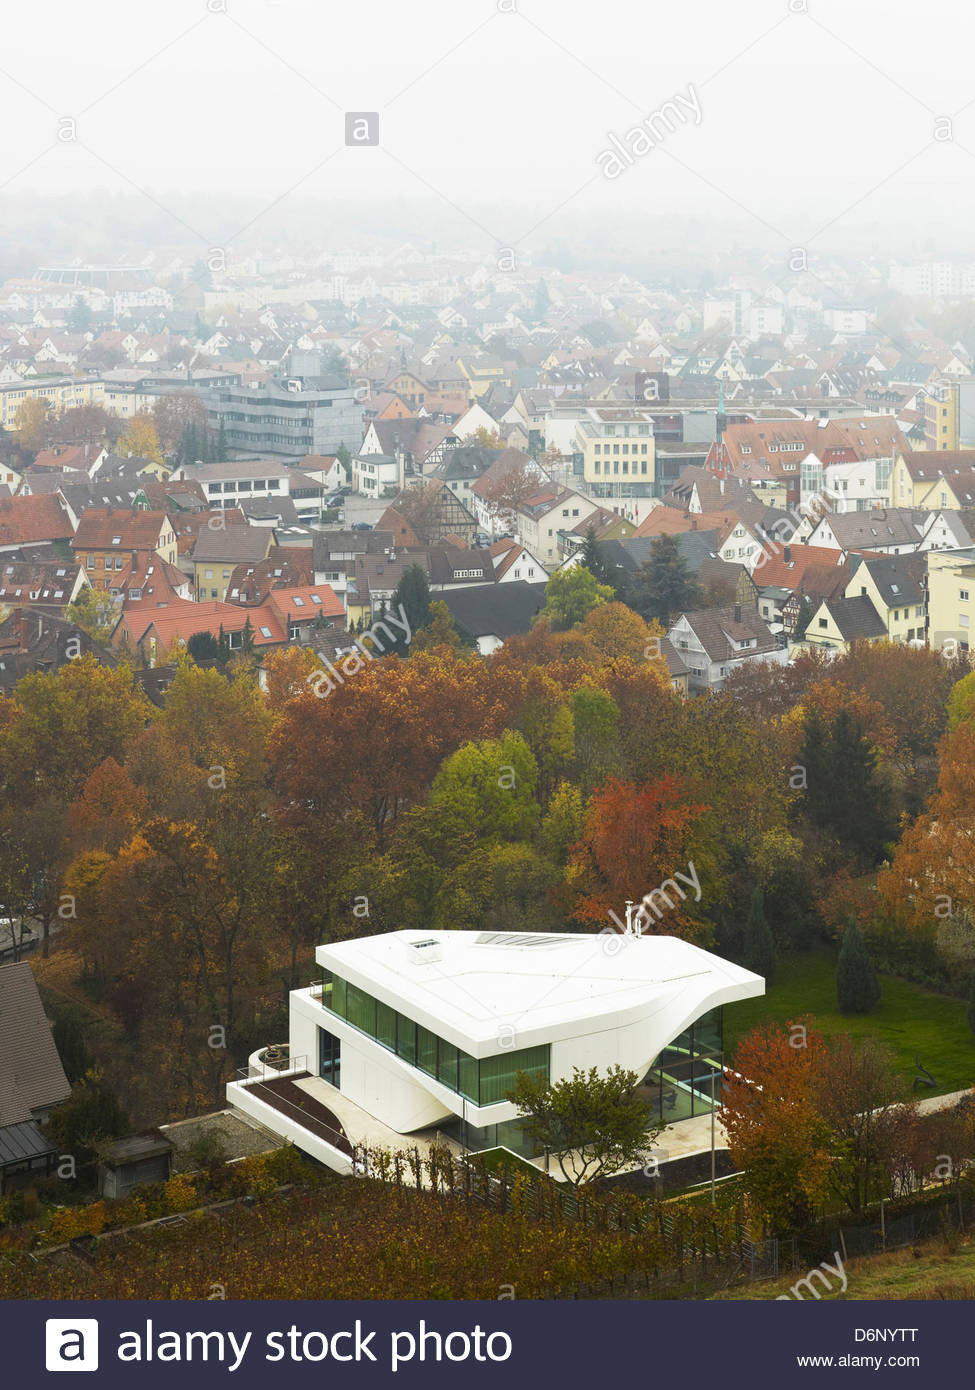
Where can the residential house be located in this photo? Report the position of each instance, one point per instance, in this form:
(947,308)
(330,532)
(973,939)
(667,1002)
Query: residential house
(47,585)
(38,641)
(489,615)
(33,521)
(944,480)
(839,622)
(32,1080)
(891,531)
(895,587)
(218,552)
(714,642)
(377,475)
(540,521)
(110,540)
(401,1031)
(950,590)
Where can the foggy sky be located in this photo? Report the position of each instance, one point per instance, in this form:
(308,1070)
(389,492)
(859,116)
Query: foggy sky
(812,126)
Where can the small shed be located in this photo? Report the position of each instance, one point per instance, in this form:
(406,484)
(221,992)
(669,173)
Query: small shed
(132,1162)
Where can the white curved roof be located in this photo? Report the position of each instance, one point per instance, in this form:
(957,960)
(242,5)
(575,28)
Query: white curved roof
(474,987)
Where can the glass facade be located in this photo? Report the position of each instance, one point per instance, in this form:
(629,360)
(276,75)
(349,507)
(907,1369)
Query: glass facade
(510,1134)
(483,1081)
(679,1084)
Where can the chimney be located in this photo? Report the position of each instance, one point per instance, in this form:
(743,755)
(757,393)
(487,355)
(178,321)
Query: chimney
(20,628)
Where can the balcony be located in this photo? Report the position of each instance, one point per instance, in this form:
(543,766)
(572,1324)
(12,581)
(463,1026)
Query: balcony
(280,1093)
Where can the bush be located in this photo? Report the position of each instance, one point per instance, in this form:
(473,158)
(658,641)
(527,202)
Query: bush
(181,1193)
(71,1222)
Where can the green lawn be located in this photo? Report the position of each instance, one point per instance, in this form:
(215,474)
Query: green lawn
(909,1020)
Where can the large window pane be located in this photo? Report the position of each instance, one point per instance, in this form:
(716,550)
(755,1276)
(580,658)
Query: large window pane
(385,1025)
(447,1064)
(426,1050)
(362,1010)
(467,1081)
(339,996)
(405,1039)
(498,1073)
(708,1030)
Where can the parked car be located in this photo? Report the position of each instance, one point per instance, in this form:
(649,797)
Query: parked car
(361,526)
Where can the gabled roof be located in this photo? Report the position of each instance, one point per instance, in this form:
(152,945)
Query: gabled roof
(873,530)
(31,1075)
(119,528)
(448,565)
(27,519)
(236,544)
(897,577)
(855,617)
(301,602)
(719,630)
(52,582)
(785,565)
(495,610)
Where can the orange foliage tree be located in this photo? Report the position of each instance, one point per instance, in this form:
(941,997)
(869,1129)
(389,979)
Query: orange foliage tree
(777,1135)
(634,839)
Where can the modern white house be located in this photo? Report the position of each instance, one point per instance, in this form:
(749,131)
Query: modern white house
(412,1033)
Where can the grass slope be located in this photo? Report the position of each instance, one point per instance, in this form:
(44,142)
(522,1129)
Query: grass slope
(931,1274)
(909,1020)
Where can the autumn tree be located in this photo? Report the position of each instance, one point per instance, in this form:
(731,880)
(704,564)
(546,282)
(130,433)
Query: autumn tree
(595,725)
(489,788)
(858,1093)
(931,877)
(777,1135)
(325,752)
(63,724)
(173,414)
(499,887)
(634,840)
(96,612)
(439,631)
(912,686)
(32,422)
(86,424)
(141,439)
(504,489)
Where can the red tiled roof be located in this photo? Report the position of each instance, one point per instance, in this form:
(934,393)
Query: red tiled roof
(24,520)
(119,528)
